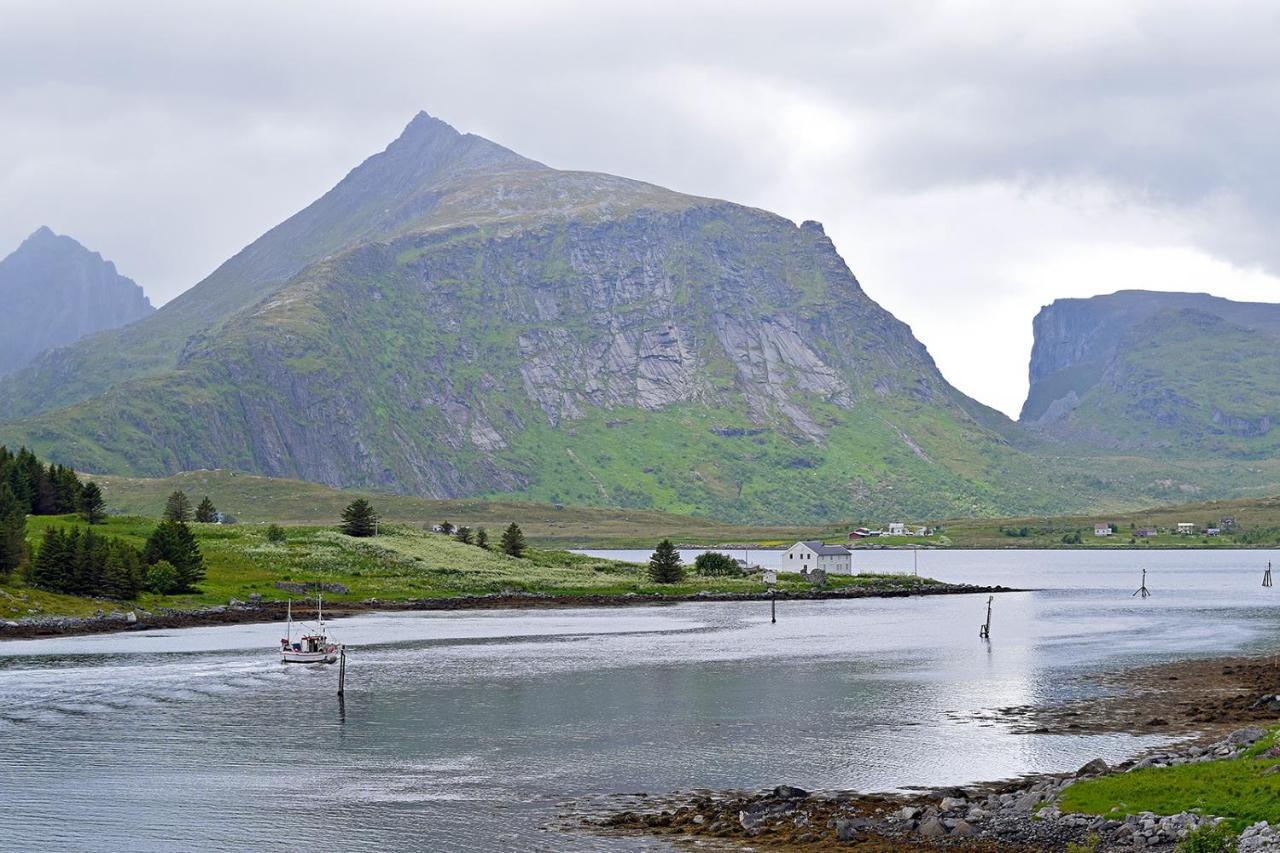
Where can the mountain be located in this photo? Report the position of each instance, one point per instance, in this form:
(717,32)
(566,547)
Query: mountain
(454,320)
(56,292)
(1178,373)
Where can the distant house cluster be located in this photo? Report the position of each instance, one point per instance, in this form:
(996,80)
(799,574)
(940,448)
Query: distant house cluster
(893,528)
(1180,528)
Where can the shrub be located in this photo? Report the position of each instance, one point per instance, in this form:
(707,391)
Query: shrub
(714,564)
(1091,844)
(162,578)
(1209,839)
(275,533)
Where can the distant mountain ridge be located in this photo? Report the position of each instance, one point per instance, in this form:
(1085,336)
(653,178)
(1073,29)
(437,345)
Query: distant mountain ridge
(55,292)
(1184,373)
(454,320)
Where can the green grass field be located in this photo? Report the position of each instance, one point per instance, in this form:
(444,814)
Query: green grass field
(253,499)
(1239,790)
(401,563)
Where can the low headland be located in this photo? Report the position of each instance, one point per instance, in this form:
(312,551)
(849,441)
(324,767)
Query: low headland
(252,570)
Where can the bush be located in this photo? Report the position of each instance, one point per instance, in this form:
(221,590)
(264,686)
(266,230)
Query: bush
(162,578)
(1209,839)
(275,533)
(714,564)
(1091,844)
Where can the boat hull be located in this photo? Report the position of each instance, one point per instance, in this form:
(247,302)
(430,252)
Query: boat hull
(328,656)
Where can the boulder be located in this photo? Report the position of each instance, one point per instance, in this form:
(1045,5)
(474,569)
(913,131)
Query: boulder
(1094,768)
(1246,737)
(950,804)
(790,792)
(932,828)
(846,830)
(962,828)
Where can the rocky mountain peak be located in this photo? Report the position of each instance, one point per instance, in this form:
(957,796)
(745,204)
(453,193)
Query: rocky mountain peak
(56,291)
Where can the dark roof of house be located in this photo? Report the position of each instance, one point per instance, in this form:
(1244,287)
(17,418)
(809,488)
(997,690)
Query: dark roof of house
(824,550)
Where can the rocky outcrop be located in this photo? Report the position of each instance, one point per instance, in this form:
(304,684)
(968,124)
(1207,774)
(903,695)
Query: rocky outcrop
(55,292)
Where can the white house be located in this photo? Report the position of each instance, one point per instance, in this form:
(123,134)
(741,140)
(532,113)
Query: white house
(1101,529)
(897,528)
(806,556)
(1186,527)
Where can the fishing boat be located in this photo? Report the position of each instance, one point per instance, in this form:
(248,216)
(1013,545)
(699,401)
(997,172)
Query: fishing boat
(314,646)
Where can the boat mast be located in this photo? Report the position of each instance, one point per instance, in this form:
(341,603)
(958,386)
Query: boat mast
(290,628)
(320,611)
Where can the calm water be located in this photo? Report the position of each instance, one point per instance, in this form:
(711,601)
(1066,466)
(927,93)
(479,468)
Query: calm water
(464,731)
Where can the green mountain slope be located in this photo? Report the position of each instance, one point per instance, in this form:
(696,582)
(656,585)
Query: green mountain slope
(1181,374)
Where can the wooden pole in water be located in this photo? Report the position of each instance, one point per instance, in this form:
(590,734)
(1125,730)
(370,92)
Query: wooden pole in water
(1266,576)
(342,669)
(773,606)
(1142,590)
(984,630)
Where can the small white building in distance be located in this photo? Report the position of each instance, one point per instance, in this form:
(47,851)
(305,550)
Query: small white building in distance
(807,556)
(1186,527)
(897,528)
(1101,529)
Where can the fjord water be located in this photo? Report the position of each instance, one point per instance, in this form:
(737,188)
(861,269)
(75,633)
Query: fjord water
(466,731)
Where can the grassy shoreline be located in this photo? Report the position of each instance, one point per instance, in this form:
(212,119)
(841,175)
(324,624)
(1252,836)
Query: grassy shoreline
(401,564)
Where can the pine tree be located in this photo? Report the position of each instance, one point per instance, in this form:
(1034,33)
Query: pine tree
(93,508)
(177,507)
(88,559)
(13,531)
(513,543)
(482,538)
(446,528)
(173,541)
(463,534)
(205,512)
(359,519)
(665,565)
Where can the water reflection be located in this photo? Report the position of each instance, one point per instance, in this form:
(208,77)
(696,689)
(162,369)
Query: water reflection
(461,731)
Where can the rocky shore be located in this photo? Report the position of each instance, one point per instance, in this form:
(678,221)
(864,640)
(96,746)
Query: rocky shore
(239,612)
(1022,816)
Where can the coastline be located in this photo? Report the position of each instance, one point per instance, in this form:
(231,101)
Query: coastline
(238,613)
(1215,707)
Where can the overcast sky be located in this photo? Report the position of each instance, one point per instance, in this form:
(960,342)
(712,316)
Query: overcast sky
(971,161)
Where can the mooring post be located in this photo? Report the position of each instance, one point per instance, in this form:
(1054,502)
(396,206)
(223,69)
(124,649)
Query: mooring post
(342,669)
(1266,576)
(1142,590)
(773,606)
(984,630)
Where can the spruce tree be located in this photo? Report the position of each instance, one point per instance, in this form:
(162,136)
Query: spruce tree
(49,569)
(13,531)
(359,519)
(205,512)
(463,534)
(665,565)
(513,543)
(122,572)
(93,508)
(482,538)
(173,541)
(446,528)
(178,507)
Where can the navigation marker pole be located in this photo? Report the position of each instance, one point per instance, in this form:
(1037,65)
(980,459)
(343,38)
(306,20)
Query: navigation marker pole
(1143,591)
(773,606)
(342,670)
(1266,576)
(984,630)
